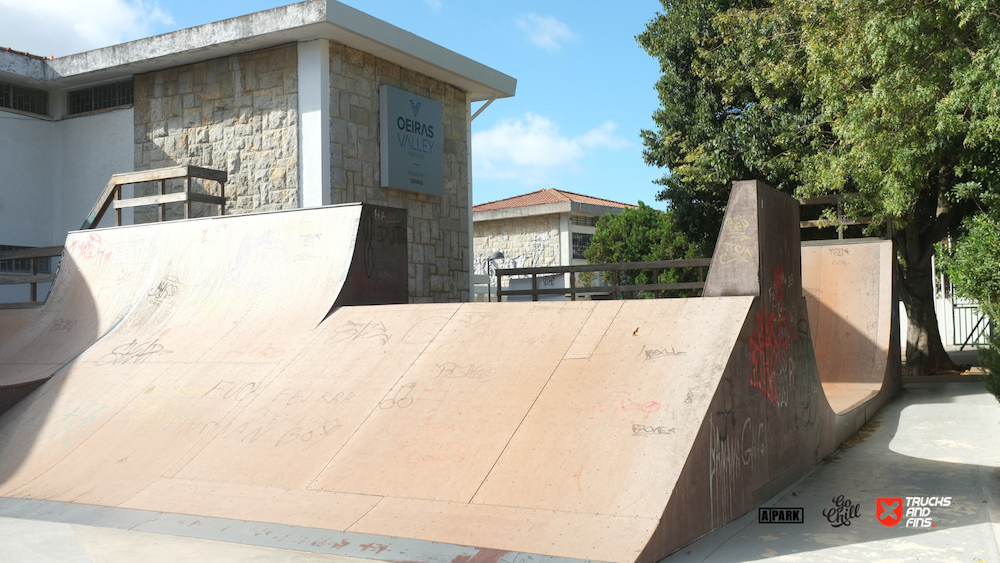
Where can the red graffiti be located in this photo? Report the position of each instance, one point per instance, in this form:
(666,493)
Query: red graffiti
(90,248)
(772,337)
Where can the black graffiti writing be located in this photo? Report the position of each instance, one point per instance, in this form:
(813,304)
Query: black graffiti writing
(403,398)
(134,352)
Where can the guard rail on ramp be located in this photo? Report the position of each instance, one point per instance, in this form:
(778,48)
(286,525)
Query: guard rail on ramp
(608,431)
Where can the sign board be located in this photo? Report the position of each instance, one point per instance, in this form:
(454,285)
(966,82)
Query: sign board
(412,140)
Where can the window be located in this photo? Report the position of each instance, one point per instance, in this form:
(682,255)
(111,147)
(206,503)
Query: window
(23,265)
(100,97)
(24,99)
(581,242)
(583,221)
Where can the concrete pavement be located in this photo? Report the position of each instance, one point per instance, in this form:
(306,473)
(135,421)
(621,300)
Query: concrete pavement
(932,440)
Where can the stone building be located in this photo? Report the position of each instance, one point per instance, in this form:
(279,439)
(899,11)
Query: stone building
(544,228)
(287,101)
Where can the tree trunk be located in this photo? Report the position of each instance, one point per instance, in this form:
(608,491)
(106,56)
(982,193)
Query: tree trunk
(924,351)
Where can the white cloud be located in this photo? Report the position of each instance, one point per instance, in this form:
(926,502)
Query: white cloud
(65,27)
(531,150)
(434,4)
(547,33)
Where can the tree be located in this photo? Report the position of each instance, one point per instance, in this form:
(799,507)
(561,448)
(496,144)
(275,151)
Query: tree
(641,234)
(972,265)
(895,101)
(973,268)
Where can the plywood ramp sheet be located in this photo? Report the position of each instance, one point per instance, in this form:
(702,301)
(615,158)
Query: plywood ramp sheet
(848,291)
(101,276)
(231,300)
(551,428)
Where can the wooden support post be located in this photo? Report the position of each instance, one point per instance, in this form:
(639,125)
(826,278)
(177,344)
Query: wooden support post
(572,286)
(187,203)
(162,207)
(499,288)
(222,194)
(656,279)
(118,211)
(534,287)
(34,286)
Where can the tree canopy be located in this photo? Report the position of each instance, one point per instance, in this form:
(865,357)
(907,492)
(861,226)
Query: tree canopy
(641,234)
(894,101)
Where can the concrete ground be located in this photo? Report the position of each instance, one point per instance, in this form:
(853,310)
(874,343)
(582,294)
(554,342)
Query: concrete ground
(933,439)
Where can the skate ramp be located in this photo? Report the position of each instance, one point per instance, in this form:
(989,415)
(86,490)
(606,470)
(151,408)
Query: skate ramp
(853,320)
(98,282)
(607,431)
(105,274)
(393,421)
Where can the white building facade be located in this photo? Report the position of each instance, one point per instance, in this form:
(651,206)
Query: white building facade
(286,101)
(544,228)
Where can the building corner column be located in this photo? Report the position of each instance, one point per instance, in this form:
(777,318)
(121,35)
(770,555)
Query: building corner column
(314,123)
(470,266)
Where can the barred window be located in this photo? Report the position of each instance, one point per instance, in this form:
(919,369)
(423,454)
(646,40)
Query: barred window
(583,221)
(100,97)
(581,242)
(24,99)
(23,265)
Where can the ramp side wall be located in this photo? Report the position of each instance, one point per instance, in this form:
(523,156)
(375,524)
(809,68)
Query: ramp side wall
(769,420)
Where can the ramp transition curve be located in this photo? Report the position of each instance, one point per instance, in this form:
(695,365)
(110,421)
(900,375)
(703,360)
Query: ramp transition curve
(610,431)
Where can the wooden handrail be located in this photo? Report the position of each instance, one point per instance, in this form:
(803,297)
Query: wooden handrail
(38,252)
(841,221)
(33,277)
(112,194)
(615,287)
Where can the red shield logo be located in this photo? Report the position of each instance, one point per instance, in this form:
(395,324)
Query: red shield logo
(889,510)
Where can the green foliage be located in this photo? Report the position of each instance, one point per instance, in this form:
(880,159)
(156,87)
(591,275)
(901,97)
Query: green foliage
(974,268)
(896,101)
(989,358)
(974,264)
(642,234)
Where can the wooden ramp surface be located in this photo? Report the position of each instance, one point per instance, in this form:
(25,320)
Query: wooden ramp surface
(610,431)
(553,429)
(848,291)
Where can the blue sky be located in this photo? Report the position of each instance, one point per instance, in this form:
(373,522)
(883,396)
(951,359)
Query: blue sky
(585,88)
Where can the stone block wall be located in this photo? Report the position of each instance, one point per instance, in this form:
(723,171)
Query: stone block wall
(236,113)
(437,226)
(526,242)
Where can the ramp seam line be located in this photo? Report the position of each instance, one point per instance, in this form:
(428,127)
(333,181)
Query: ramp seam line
(542,390)
(384,397)
(367,512)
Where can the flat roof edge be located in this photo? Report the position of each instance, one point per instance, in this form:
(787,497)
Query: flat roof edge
(304,21)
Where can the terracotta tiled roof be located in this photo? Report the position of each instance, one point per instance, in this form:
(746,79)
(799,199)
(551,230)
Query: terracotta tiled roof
(8,49)
(543,197)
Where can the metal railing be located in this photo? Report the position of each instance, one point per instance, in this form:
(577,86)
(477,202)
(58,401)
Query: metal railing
(615,288)
(112,193)
(31,277)
(970,326)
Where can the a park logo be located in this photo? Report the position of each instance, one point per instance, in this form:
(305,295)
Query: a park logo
(889,510)
(415,106)
(781,515)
